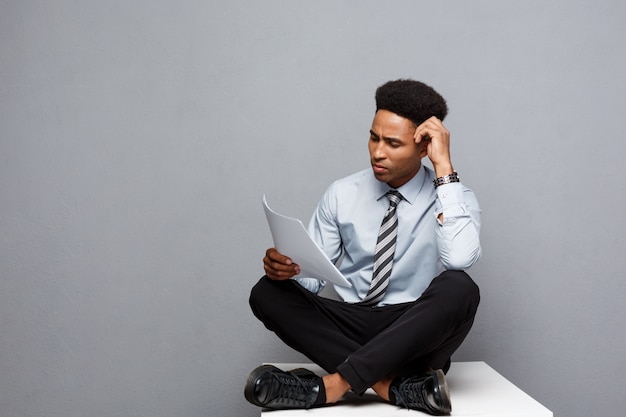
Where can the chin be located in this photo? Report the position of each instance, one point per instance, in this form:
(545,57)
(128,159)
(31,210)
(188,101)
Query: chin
(381,178)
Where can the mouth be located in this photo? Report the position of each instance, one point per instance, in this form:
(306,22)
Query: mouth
(379,169)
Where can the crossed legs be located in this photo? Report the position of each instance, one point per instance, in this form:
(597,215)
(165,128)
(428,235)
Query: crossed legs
(362,347)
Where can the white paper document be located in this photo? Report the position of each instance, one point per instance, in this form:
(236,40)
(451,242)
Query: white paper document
(292,239)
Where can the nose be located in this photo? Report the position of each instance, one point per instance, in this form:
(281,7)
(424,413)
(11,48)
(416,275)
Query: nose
(378,150)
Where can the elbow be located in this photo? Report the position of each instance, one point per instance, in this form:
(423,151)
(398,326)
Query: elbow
(461,260)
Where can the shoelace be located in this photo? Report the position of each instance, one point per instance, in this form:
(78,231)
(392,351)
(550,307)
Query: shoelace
(407,394)
(294,391)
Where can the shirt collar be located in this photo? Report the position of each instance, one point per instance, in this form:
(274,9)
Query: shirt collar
(410,190)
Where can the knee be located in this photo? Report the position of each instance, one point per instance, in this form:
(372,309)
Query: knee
(267,296)
(462,288)
(258,295)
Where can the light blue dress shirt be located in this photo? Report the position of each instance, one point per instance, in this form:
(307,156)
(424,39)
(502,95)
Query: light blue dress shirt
(346,221)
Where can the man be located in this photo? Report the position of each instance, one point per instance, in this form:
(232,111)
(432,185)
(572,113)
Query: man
(411,305)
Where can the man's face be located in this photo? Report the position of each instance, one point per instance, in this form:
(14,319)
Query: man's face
(394,155)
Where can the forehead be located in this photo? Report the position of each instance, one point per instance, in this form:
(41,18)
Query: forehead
(389,124)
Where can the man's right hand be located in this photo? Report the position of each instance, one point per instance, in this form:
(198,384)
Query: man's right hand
(278,266)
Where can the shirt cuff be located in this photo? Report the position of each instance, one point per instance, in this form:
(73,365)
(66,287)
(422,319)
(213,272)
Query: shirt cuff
(451,201)
(451,193)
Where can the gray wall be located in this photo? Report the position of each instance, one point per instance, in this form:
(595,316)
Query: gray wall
(136,140)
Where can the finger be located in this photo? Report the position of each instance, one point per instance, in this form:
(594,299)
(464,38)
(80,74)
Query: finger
(280,271)
(432,123)
(276,256)
(437,125)
(422,134)
(274,261)
(422,137)
(431,129)
(281,267)
(278,276)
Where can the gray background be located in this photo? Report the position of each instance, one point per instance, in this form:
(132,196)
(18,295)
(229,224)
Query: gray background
(136,140)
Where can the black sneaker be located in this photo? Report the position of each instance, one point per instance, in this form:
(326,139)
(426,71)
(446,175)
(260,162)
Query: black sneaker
(428,393)
(267,386)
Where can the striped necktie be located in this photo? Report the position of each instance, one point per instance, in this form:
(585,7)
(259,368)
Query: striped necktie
(383,255)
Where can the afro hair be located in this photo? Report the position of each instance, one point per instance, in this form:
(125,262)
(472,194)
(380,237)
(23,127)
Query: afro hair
(412,100)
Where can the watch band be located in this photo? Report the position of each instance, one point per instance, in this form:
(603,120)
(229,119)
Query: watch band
(446,179)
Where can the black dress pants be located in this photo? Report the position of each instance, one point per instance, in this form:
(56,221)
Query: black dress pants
(367,344)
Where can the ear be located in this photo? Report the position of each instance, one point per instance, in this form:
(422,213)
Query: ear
(423,148)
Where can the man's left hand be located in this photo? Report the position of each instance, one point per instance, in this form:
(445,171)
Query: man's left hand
(437,139)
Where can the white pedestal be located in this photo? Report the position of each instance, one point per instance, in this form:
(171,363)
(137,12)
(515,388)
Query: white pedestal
(476,390)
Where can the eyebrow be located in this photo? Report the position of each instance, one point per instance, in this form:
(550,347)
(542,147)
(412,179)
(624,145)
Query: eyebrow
(387,139)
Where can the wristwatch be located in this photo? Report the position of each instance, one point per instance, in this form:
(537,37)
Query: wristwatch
(446,179)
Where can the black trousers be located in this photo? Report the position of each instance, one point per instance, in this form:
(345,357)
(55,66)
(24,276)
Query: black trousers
(367,344)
